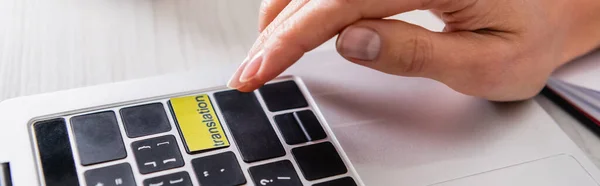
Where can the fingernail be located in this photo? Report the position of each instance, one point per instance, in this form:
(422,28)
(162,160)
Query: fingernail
(359,43)
(252,67)
(234,82)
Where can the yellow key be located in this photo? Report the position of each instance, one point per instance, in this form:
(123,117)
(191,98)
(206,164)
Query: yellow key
(198,123)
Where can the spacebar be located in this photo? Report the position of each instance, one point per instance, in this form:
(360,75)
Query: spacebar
(249,126)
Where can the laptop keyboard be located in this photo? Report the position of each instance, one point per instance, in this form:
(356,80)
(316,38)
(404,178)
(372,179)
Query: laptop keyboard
(271,137)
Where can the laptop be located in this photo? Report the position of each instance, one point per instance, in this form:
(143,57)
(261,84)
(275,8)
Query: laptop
(324,122)
(354,126)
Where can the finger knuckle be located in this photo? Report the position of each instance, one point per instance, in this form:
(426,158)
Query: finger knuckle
(420,52)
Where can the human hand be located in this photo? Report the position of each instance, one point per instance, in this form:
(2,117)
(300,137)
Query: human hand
(501,50)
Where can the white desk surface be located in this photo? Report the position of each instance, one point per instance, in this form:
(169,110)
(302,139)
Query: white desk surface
(50,45)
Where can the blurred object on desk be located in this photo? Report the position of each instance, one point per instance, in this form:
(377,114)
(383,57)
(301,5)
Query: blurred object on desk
(583,73)
(583,103)
(578,85)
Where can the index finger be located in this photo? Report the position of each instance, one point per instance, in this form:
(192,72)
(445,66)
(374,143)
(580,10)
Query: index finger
(310,26)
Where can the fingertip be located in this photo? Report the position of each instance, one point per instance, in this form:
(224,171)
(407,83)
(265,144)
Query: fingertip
(244,89)
(252,68)
(250,86)
(234,82)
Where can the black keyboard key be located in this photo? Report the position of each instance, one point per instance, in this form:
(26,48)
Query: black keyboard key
(319,161)
(290,129)
(251,129)
(218,170)
(346,181)
(279,173)
(145,120)
(54,149)
(115,175)
(311,125)
(157,154)
(175,179)
(283,96)
(98,138)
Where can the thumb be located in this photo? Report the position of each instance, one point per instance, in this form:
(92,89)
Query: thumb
(400,48)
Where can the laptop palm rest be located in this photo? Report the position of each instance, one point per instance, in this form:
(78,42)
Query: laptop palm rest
(562,170)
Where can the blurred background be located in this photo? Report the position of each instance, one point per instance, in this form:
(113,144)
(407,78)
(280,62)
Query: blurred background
(50,45)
